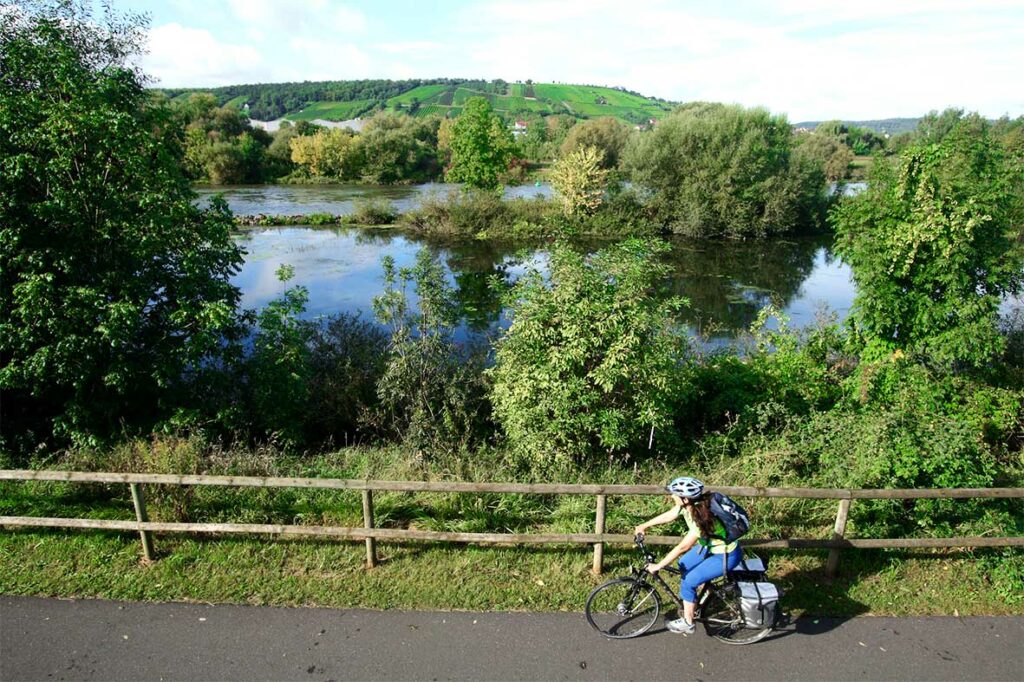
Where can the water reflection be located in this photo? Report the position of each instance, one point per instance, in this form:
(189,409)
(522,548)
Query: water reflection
(726,283)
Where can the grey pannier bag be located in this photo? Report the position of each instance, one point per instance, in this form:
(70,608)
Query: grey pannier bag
(759,603)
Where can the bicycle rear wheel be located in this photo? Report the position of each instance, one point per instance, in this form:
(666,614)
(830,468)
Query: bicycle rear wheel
(623,608)
(723,619)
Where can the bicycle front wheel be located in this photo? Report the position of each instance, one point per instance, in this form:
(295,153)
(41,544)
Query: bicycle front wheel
(724,620)
(623,608)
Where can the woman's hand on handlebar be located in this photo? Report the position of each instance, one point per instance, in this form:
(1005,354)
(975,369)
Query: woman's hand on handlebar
(639,532)
(652,568)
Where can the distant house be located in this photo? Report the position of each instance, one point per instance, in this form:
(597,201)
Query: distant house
(518,128)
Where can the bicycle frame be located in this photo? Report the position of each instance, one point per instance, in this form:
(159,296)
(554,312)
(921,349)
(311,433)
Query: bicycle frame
(642,574)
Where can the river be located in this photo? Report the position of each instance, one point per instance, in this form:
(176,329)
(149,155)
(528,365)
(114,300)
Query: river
(726,283)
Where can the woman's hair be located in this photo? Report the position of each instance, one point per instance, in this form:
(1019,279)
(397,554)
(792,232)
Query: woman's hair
(700,508)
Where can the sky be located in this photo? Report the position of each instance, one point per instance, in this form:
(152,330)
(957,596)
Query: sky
(809,59)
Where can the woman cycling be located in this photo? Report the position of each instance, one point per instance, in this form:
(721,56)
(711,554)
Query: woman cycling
(700,552)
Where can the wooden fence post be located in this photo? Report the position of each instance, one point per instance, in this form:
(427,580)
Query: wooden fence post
(837,534)
(140,515)
(371,543)
(599,529)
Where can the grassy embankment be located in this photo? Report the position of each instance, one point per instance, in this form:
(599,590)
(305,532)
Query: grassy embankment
(313,572)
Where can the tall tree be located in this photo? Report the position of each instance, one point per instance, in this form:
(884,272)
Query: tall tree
(928,245)
(607,134)
(717,170)
(481,146)
(114,282)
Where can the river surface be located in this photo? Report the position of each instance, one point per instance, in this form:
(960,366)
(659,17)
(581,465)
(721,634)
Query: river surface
(338,199)
(726,283)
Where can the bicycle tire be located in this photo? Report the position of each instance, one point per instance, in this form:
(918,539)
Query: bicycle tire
(623,608)
(723,619)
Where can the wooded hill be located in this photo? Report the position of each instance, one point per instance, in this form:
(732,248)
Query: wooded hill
(343,100)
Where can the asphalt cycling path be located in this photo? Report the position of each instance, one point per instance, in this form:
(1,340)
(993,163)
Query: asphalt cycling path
(50,639)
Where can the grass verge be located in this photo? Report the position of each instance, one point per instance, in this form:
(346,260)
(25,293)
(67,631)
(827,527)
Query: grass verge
(320,572)
(308,572)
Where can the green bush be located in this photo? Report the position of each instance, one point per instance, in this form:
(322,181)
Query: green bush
(346,362)
(929,249)
(373,212)
(713,170)
(432,392)
(591,360)
(483,214)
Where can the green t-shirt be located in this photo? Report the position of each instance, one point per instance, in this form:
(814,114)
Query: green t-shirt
(717,546)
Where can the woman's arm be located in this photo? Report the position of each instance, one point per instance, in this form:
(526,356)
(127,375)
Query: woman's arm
(689,541)
(665,517)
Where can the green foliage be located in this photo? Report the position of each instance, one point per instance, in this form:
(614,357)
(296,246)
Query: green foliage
(860,140)
(328,153)
(928,245)
(826,152)
(345,363)
(608,135)
(432,393)
(581,180)
(481,146)
(533,144)
(481,214)
(715,170)
(220,146)
(399,149)
(277,369)
(114,283)
(590,362)
(373,212)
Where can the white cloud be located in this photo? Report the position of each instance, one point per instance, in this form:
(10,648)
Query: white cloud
(297,17)
(181,57)
(877,58)
(408,47)
(328,60)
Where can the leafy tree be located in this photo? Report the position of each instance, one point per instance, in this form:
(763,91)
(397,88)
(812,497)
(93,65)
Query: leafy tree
(828,153)
(481,146)
(114,282)
(929,250)
(607,134)
(431,392)
(589,363)
(220,145)
(935,126)
(717,170)
(580,180)
(534,142)
(329,153)
(395,148)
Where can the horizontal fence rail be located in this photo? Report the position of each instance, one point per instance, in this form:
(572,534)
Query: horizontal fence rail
(598,539)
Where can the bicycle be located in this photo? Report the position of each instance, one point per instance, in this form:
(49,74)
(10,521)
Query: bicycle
(629,606)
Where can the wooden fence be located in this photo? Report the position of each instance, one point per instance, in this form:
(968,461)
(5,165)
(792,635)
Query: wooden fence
(370,533)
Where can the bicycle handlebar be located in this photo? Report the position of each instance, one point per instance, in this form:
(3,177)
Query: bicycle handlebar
(638,539)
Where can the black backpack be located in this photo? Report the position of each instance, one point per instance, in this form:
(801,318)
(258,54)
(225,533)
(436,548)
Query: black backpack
(734,518)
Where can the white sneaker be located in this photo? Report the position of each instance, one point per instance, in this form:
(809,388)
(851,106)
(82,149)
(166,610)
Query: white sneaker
(681,626)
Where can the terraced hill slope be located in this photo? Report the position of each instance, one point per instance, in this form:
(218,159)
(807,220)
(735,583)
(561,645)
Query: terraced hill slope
(342,100)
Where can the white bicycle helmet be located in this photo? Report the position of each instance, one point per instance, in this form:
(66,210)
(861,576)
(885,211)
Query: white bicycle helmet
(686,487)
